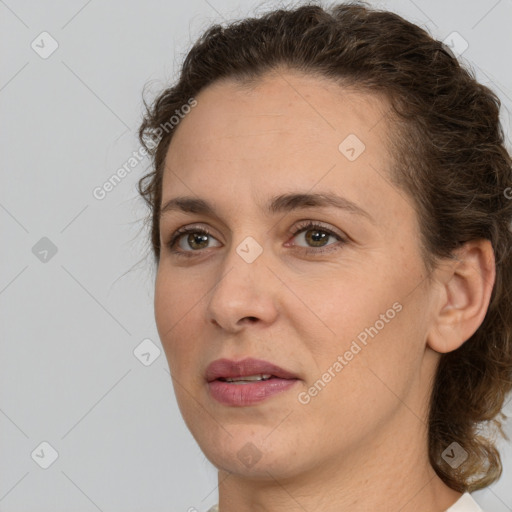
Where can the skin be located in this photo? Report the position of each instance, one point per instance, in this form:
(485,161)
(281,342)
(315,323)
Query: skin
(361,443)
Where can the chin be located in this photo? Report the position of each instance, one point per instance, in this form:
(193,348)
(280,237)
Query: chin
(254,459)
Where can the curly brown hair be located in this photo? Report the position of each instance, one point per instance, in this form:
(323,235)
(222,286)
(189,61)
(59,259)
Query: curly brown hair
(449,150)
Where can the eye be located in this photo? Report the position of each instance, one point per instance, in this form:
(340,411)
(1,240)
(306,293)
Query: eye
(197,239)
(316,235)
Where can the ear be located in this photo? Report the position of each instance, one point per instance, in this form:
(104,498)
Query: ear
(465,285)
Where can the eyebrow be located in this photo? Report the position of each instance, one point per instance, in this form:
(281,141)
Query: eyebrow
(279,204)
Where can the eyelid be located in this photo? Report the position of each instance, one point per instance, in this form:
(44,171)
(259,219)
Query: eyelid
(190,228)
(301,225)
(297,228)
(308,225)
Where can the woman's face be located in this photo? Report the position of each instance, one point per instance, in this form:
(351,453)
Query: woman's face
(343,307)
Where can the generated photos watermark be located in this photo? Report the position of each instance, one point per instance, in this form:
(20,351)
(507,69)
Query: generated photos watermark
(101,191)
(304,397)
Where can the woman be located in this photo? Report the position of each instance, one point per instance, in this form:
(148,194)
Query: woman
(330,224)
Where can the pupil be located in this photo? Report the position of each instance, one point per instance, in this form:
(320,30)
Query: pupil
(318,236)
(194,237)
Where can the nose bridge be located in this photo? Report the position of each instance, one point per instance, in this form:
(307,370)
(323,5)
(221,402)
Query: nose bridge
(242,289)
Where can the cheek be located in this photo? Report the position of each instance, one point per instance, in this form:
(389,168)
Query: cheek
(380,338)
(367,315)
(343,304)
(166,314)
(176,296)
(363,374)
(175,305)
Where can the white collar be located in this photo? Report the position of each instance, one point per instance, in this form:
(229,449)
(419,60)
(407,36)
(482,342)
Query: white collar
(465,503)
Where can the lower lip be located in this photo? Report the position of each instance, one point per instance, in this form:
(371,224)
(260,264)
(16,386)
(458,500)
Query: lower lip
(248,393)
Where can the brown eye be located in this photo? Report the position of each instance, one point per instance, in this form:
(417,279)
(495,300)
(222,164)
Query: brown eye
(196,239)
(317,236)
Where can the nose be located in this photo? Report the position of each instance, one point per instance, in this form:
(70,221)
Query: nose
(244,292)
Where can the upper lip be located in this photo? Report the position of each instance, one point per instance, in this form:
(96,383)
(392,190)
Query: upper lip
(229,369)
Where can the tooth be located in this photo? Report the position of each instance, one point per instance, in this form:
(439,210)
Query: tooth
(264,376)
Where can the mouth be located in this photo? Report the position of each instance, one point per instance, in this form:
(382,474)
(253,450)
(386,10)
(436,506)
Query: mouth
(248,378)
(246,382)
(246,370)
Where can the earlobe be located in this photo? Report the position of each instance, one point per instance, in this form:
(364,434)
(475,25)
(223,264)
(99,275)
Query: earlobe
(466,284)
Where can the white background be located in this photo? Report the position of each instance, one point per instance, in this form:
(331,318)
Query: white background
(69,325)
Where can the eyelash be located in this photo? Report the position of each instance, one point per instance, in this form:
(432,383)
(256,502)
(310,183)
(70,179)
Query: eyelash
(305,226)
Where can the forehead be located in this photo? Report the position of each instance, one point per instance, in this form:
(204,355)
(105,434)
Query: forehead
(288,103)
(286,129)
